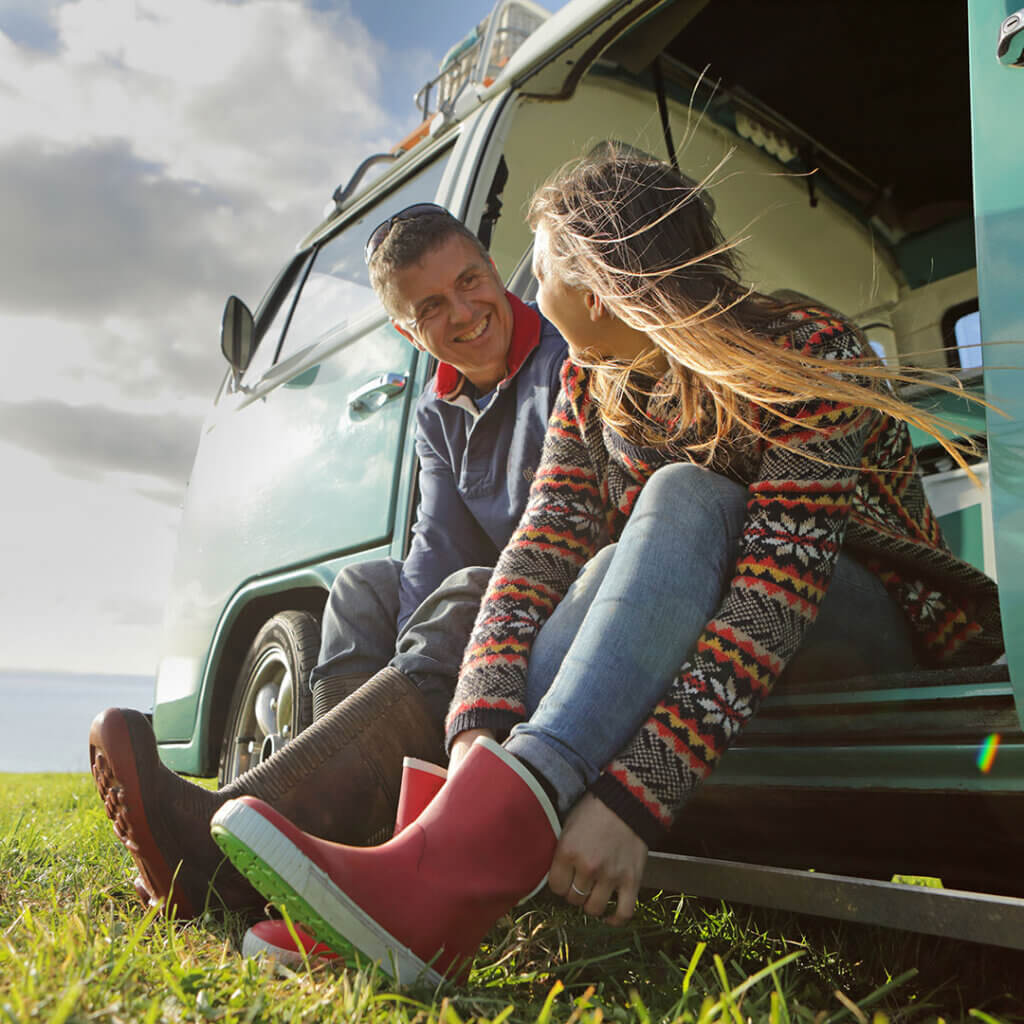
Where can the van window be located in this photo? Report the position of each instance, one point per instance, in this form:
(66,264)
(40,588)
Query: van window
(967,331)
(961,334)
(272,317)
(337,289)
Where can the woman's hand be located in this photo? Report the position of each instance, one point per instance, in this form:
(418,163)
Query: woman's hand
(461,745)
(598,854)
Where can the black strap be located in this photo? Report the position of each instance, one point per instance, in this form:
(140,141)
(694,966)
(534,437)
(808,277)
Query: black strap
(666,127)
(492,208)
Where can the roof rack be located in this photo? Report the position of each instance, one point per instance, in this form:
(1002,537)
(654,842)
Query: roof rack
(476,60)
(479,58)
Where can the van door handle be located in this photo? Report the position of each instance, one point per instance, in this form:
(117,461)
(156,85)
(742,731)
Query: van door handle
(1010,48)
(374,393)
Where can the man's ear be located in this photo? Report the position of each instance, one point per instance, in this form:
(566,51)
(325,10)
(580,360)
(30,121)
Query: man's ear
(406,333)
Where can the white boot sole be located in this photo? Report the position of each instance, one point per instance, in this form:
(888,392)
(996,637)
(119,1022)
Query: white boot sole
(285,875)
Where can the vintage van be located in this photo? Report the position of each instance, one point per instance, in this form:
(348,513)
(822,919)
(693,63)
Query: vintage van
(873,161)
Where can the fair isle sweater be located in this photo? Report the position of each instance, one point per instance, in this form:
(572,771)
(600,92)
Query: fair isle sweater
(847,479)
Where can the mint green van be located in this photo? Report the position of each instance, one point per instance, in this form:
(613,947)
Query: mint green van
(869,156)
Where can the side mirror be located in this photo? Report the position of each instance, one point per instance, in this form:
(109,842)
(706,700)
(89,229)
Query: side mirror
(237,335)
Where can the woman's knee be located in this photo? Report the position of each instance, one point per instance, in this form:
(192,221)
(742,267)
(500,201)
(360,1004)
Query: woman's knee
(684,493)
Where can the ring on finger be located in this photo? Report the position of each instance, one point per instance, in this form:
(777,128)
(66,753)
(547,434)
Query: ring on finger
(579,892)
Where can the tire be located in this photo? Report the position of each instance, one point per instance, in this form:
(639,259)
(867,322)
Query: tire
(271,702)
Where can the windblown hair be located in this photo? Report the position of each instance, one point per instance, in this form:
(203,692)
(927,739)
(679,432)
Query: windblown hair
(408,241)
(642,237)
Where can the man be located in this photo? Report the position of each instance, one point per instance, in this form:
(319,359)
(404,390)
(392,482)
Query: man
(480,427)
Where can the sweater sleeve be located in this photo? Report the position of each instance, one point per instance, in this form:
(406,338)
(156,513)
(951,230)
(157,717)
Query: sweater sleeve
(559,532)
(796,516)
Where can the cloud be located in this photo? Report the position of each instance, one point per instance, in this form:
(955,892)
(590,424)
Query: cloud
(77,556)
(180,148)
(132,610)
(168,364)
(156,155)
(165,154)
(89,441)
(267,93)
(102,231)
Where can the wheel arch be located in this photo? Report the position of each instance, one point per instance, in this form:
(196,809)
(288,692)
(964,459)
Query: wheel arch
(244,615)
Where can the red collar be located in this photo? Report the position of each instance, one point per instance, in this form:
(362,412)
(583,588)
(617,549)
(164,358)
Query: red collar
(525,338)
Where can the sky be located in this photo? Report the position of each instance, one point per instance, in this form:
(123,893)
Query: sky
(155,157)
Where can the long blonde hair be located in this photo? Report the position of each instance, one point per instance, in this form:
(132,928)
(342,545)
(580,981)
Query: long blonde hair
(642,237)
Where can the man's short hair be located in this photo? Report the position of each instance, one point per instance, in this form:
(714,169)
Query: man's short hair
(408,242)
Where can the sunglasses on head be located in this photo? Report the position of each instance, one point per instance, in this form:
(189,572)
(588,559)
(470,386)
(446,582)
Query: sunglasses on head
(380,232)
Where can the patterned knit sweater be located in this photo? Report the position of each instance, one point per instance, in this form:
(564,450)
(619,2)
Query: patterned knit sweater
(832,487)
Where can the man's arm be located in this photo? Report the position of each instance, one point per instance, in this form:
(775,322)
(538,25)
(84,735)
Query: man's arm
(446,537)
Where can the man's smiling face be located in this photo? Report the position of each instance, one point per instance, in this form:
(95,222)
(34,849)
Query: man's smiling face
(452,305)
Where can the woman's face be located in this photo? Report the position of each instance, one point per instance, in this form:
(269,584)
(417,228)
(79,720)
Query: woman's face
(591,331)
(564,305)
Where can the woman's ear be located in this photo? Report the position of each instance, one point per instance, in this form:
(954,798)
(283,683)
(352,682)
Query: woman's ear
(595,306)
(406,333)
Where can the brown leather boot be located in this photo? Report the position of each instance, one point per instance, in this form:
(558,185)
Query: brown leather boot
(339,780)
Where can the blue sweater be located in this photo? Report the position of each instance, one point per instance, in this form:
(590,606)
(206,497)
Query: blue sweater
(476,466)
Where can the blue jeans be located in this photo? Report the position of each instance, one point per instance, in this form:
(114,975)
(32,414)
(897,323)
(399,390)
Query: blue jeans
(616,641)
(359,636)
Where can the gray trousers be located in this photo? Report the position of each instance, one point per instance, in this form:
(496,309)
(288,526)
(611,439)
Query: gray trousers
(359,635)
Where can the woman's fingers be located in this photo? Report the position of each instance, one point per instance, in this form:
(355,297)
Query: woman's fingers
(602,892)
(598,857)
(580,891)
(625,903)
(570,876)
(562,872)
(599,896)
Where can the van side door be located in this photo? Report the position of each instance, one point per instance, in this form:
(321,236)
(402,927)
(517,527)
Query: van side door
(997,99)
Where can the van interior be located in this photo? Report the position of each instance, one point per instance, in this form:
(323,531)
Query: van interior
(839,162)
(840,172)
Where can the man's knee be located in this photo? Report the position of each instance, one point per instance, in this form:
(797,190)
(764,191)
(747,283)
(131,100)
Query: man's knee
(365,585)
(360,616)
(454,601)
(468,581)
(376,573)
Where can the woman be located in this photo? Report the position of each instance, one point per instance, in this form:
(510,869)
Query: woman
(727,487)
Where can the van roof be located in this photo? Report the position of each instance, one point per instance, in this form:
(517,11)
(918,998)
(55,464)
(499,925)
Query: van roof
(878,90)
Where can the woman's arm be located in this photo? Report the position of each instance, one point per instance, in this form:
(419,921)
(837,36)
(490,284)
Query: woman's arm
(796,516)
(559,532)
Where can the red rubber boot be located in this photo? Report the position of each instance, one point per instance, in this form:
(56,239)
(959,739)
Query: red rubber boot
(421,781)
(429,895)
(272,939)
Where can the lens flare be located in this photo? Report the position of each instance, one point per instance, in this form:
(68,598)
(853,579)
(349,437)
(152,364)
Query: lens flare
(987,753)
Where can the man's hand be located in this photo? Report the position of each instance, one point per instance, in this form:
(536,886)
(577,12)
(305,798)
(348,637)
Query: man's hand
(461,745)
(598,854)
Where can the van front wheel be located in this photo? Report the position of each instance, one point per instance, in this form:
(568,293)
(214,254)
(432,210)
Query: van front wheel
(271,701)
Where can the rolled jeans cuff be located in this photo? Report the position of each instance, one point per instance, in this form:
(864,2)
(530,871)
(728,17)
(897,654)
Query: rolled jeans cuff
(543,756)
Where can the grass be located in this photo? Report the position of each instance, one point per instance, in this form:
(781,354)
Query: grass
(76,946)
